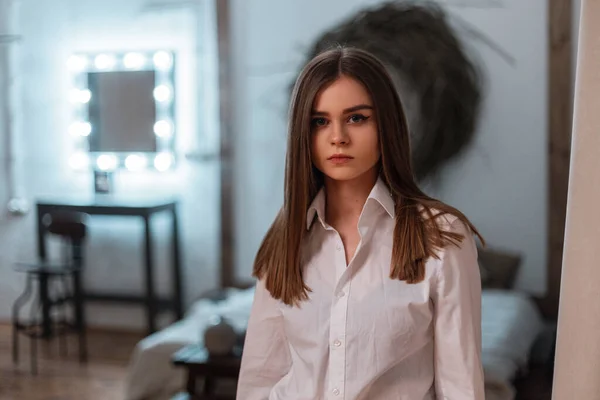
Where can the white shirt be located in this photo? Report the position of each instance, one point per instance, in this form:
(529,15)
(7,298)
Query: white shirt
(362,335)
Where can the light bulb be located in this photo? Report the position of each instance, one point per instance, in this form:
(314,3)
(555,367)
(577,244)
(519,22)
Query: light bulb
(80,129)
(134,60)
(162,60)
(163,161)
(162,93)
(106,162)
(80,96)
(163,129)
(136,162)
(104,61)
(85,96)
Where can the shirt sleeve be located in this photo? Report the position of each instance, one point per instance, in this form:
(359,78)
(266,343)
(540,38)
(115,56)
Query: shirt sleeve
(266,357)
(457,308)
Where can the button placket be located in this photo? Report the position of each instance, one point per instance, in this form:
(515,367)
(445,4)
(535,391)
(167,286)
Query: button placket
(337,329)
(340,258)
(337,339)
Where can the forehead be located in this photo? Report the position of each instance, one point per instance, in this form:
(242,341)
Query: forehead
(343,93)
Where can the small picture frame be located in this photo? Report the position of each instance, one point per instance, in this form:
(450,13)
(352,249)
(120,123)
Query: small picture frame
(102,182)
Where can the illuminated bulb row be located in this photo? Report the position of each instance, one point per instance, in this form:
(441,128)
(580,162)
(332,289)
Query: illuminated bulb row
(162,60)
(162,93)
(162,129)
(133,162)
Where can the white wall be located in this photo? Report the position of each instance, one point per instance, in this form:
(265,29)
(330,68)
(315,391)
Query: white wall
(500,183)
(51,32)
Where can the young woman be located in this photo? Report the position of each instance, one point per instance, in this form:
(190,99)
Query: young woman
(367,288)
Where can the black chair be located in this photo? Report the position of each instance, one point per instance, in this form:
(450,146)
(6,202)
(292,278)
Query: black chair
(59,289)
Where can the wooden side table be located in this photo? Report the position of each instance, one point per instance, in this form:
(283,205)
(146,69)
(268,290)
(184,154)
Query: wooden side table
(199,364)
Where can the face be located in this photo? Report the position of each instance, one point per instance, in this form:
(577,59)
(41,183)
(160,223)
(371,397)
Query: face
(345,143)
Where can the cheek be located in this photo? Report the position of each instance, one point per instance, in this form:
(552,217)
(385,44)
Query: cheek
(320,140)
(368,142)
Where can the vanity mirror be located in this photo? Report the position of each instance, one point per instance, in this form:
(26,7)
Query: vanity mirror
(123,110)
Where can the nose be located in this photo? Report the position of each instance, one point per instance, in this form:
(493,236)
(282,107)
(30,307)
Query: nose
(339,136)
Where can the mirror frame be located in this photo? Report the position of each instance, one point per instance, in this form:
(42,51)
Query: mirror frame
(162,63)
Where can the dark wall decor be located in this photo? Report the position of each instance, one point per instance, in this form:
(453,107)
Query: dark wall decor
(439,84)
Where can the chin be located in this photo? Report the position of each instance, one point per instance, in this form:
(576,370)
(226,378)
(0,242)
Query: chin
(341,175)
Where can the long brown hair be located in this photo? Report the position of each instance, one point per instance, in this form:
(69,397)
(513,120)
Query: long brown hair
(417,235)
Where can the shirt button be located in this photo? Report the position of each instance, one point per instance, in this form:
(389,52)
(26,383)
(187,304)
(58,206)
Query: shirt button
(337,343)
(336,391)
(338,247)
(341,294)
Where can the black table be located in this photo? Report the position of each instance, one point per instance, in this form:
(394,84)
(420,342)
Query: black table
(199,364)
(114,205)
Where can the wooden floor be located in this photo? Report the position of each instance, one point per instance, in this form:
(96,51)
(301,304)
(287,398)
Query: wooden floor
(104,375)
(64,378)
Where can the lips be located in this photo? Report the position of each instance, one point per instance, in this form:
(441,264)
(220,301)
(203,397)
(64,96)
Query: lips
(340,158)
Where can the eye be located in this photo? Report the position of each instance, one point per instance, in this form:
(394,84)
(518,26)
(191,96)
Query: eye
(357,118)
(318,121)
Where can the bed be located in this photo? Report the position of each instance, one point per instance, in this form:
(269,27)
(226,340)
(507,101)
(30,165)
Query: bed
(510,325)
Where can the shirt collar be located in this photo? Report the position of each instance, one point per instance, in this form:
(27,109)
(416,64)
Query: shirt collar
(380,193)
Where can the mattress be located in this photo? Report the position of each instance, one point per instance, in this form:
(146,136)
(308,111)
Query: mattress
(510,323)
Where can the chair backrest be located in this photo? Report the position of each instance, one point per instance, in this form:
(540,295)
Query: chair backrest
(68,224)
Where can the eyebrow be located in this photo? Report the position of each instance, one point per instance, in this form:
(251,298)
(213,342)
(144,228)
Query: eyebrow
(347,110)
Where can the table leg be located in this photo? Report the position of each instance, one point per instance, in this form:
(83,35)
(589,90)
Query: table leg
(45,303)
(41,231)
(209,385)
(80,315)
(177,283)
(44,299)
(150,298)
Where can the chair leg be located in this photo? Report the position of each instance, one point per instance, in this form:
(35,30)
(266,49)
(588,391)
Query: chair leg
(63,345)
(21,300)
(80,316)
(15,340)
(35,335)
(34,369)
(82,348)
(64,319)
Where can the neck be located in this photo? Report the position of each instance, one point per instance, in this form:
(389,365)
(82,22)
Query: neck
(346,199)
